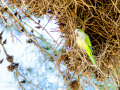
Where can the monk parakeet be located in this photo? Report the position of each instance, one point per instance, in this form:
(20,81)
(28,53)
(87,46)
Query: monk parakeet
(83,41)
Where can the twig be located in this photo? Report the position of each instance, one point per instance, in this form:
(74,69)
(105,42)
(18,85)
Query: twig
(27,80)
(3,48)
(18,81)
(115,6)
(92,82)
(37,24)
(19,29)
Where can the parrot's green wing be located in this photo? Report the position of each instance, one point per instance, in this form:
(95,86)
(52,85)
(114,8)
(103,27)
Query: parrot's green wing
(87,40)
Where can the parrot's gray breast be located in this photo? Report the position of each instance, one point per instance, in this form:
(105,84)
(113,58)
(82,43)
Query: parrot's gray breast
(81,40)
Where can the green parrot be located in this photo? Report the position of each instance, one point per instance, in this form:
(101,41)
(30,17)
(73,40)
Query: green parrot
(83,42)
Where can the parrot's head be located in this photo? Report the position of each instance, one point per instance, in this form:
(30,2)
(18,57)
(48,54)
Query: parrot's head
(78,32)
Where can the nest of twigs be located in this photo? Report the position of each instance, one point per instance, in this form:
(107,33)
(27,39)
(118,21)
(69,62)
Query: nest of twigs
(100,19)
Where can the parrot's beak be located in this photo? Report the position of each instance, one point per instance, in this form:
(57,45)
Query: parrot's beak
(76,34)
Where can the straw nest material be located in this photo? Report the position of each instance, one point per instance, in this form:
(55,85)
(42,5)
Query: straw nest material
(100,19)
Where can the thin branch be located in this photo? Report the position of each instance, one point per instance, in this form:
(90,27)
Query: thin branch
(27,80)
(3,48)
(37,24)
(18,81)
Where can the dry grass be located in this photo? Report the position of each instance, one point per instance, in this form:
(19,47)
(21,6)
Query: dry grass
(100,19)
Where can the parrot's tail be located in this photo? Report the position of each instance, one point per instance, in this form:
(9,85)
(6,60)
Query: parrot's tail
(89,52)
(93,60)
